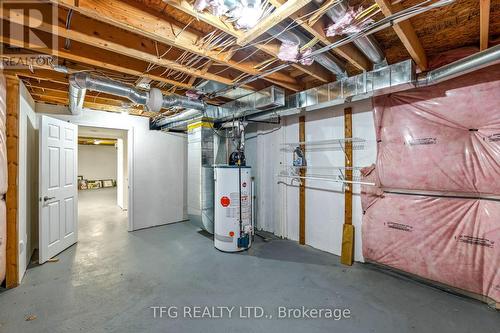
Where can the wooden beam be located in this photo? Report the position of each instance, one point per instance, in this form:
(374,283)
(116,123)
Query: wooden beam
(63,95)
(315,70)
(11,198)
(126,16)
(347,255)
(484,23)
(103,59)
(279,14)
(94,37)
(89,104)
(348,52)
(40,75)
(302,188)
(205,69)
(406,33)
(63,87)
(121,65)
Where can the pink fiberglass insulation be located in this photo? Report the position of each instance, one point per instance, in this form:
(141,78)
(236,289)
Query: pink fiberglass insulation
(447,57)
(370,194)
(347,24)
(448,240)
(289,51)
(444,137)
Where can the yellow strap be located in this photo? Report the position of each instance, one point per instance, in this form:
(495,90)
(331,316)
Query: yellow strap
(198,124)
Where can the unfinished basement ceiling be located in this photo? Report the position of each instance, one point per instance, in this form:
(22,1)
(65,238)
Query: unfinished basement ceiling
(171,46)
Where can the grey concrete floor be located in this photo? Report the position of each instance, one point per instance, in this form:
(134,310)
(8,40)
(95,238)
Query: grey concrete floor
(110,280)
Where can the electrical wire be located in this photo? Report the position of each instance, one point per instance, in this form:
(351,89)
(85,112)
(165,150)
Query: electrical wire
(366,31)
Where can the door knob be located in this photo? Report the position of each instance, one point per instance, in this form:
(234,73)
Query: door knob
(46,198)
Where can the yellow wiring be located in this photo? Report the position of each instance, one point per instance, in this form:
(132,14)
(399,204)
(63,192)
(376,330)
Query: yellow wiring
(321,11)
(309,44)
(367,11)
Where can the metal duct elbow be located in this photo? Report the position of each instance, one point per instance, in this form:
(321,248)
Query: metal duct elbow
(154,99)
(76,98)
(328,61)
(367,45)
(488,57)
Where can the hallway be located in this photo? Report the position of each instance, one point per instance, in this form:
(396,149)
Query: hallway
(99,214)
(110,280)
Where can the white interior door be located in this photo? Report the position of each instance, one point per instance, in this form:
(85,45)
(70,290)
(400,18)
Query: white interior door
(58,194)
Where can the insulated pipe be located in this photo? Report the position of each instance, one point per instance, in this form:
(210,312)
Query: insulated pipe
(153,99)
(460,67)
(328,61)
(367,45)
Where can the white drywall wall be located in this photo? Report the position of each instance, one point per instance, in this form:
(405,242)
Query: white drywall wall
(277,204)
(97,162)
(27,179)
(122,174)
(158,165)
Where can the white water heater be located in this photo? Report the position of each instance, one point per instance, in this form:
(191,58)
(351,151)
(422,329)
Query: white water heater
(233,185)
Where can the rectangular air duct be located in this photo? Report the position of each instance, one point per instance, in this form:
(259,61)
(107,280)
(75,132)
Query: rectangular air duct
(262,100)
(200,174)
(396,77)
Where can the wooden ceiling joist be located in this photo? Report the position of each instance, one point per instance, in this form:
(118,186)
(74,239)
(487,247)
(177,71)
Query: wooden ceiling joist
(484,25)
(279,14)
(47,98)
(63,88)
(130,18)
(93,38)
(40,75)
(269,48)
(349,52)
(406,33)
(93,58)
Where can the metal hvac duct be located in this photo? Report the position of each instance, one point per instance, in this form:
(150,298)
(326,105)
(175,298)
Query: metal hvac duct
(463,66)
(328,61)
(367,45)
(265,99)
(185,115)
(396,77)
(200,190)
(154,99)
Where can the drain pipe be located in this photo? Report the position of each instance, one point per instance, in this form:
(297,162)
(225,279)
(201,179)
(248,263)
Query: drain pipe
(368,45)
(154,99)
(488,57)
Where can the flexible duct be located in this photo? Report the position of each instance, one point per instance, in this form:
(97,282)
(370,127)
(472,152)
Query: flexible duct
(328,61)
(153,99)
(367,45)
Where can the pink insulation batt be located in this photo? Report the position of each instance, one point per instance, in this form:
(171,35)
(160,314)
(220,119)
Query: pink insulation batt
(444,137)
(444,141)
(449,240)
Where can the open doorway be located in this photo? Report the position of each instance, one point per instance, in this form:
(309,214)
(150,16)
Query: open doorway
(102,181)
